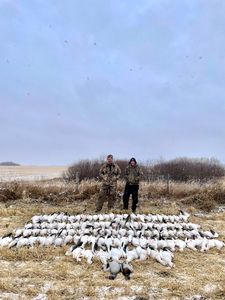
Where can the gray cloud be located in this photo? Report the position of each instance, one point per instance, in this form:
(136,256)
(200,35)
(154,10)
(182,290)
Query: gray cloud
(139,78)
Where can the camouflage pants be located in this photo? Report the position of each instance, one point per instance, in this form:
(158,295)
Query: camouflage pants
(107,192)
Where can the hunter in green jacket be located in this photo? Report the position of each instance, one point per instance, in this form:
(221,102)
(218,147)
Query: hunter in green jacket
(109,174)
(132,177)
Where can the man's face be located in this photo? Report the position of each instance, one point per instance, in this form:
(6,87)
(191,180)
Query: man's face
(132,163)
(109,160)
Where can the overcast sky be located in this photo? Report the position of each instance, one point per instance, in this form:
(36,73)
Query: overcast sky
(83,78)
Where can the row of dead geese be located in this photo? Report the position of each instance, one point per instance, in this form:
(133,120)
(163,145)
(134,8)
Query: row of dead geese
(65,217)
(115,239)
(105,242)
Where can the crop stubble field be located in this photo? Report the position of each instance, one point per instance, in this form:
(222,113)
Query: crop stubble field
(46,273)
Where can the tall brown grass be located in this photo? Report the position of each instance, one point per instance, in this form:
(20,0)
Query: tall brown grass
(204,196)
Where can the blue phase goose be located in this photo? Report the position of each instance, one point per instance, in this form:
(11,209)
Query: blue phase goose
(114,268)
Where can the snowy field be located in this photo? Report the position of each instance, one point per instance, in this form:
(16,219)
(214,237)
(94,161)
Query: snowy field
(30,173)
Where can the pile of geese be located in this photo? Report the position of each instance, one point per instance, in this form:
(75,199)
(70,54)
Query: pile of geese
(115,239)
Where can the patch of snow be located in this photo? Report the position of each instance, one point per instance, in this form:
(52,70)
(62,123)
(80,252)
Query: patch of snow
(208,288)
(136,288)
(40,297)
(19,264)
(196,297)
(219,209)
(201,214)
(10,296)
(47,286)
(109,289)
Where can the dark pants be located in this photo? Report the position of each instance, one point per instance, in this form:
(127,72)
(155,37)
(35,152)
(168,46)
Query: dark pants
(130,190)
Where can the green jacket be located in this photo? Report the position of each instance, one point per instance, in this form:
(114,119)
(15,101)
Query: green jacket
(110,173)
(133,174)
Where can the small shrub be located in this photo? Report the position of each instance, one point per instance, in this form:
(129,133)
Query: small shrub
(185,169)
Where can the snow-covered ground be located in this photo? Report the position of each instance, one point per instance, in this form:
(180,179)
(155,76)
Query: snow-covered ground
(31,173)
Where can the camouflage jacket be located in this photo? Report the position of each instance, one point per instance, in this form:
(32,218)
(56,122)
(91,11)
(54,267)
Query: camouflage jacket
(133,174)
(109,173)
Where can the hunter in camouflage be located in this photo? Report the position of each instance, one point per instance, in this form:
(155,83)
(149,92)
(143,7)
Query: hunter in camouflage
(109,174)
(132,177)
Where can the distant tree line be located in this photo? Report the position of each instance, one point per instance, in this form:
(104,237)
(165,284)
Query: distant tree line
(179,169)
(8,163)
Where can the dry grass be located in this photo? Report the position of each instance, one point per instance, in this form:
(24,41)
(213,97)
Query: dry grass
(176,189)
(48,192)
(25,272)
(201,196)
(204,196)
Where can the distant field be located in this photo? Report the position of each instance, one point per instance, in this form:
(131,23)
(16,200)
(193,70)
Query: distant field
(10,173)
